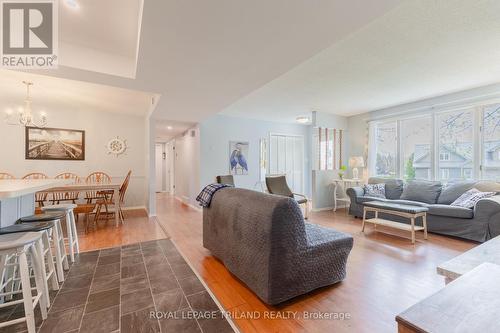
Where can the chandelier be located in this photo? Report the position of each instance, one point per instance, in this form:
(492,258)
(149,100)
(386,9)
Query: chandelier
(25,117)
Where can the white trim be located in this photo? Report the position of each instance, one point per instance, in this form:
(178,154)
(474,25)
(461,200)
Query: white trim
(187,203)
(322,209)
(134,208)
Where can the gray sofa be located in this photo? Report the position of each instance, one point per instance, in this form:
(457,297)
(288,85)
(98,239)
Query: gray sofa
(479,224)
(264,241)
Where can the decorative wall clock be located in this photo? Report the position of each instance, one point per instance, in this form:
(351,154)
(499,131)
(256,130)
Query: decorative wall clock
(117,146)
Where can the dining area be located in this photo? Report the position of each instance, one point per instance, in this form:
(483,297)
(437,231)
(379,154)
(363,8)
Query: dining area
(96,196)
(39,238)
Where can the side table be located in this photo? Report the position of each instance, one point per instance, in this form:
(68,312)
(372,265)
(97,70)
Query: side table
(342,185)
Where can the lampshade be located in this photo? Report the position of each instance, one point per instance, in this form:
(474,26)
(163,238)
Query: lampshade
(357,162)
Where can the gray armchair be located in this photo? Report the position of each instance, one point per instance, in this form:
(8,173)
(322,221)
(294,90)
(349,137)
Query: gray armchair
(226,179)
(277,185)
(264,241)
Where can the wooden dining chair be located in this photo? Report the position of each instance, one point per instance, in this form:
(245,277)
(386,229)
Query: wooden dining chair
(57,197)
(40,197)
(96,177)
(108,200)
(5,175)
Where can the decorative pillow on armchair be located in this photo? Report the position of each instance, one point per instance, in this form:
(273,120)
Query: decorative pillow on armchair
(375,190)
(470,198)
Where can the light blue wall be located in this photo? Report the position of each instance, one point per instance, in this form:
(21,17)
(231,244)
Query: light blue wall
(217,131)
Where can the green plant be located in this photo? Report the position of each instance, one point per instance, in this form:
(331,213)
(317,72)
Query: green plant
(342,170)
(409,168)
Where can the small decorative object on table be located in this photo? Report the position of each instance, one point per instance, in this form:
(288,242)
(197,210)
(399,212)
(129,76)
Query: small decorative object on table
(342,170)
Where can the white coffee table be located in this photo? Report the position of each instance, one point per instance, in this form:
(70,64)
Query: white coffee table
(467,261)
(407,211)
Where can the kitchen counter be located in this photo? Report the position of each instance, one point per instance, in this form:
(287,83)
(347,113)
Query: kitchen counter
(12,188)
(17,197)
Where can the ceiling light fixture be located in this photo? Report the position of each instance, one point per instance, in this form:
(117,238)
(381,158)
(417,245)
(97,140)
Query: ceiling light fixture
(302,120)
(169,128)
(25,113)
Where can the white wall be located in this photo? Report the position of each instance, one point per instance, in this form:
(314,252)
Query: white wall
(99,128)
(217,131)
(187,166)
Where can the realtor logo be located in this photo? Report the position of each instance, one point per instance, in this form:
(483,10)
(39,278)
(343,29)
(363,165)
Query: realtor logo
(29,34)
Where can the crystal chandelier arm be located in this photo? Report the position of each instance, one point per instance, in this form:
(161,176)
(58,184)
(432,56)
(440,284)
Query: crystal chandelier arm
(26,116)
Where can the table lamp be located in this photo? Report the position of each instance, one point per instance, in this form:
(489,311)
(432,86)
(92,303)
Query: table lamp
(356,162)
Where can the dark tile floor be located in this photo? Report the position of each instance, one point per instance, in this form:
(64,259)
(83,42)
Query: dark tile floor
(144,287)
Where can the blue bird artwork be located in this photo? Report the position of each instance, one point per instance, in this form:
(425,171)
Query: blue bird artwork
(237,160)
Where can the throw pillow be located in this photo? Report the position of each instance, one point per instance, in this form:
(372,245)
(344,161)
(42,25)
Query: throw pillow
(422,191)
(453,190)
(470,198)
(375,190)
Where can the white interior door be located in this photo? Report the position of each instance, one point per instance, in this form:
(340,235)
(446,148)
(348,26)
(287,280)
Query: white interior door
(286,157)
(159,167)
(169,165)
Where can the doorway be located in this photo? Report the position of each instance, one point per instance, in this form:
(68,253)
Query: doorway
(286,157)
(164,167)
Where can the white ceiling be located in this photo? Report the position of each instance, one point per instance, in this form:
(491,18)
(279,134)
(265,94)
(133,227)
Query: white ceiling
(49,92)
(418,50)
(166,130)
(202,56)
(101,36)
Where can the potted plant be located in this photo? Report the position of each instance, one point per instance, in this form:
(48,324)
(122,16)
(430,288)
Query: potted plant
(342,170)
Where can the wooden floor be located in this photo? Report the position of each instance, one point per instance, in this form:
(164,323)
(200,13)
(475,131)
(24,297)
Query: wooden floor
(386,274)
(137,228)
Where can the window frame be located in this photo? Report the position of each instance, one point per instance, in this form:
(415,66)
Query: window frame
(446,154)
(397,163)
(478,171)
(482,169)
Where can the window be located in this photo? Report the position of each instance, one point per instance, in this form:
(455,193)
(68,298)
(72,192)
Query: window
(444,156)
(416,139)
(463,144)
(386,149)
(455,144)
(328,149)
(491,142)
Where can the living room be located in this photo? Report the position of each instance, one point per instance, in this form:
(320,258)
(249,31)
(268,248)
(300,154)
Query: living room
(268,166)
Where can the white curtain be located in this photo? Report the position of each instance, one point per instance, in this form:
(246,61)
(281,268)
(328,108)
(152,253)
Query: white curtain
(372,148)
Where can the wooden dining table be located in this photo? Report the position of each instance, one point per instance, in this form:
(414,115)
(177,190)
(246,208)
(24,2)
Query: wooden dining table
(82,187)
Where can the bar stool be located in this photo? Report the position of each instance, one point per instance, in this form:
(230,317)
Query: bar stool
(43,247)
(67,208)
(18,245)
(56,236)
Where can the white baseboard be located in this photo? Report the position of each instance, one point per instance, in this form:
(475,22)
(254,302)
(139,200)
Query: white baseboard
(322,209)
(134,208)
(188,203)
